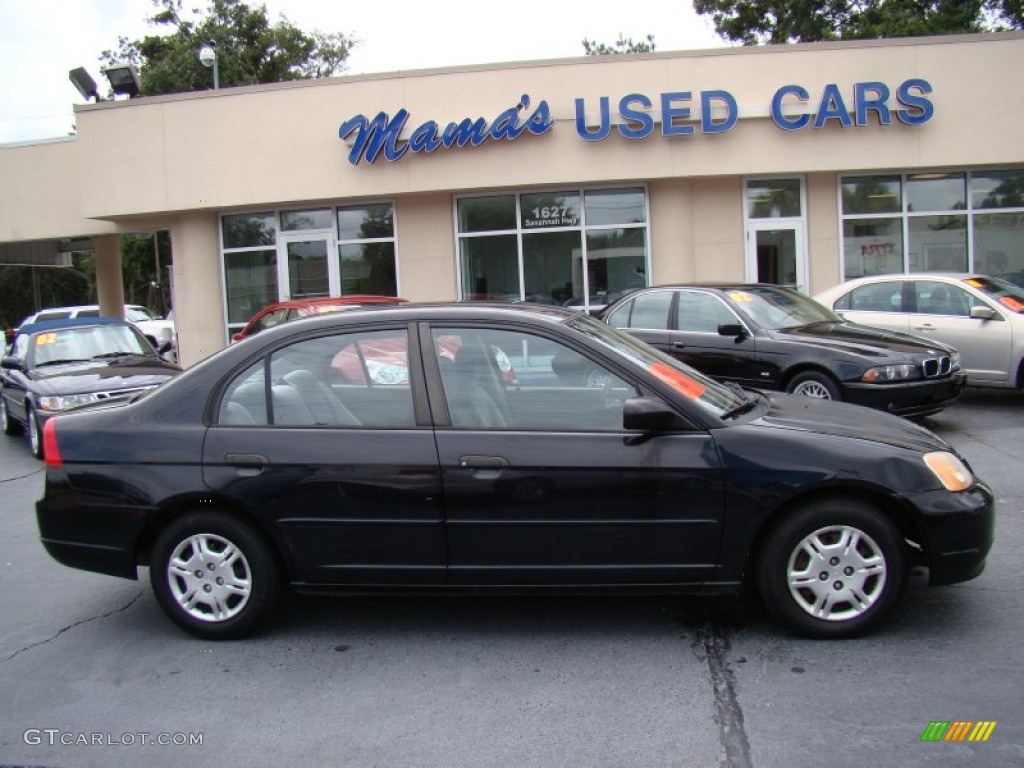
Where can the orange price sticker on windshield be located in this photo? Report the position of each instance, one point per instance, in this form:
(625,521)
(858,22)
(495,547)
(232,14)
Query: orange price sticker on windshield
(1011,303)
(740,297)
(46,338)
(974,283)
(678,380)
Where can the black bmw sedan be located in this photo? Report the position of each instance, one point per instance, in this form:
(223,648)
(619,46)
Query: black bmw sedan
(56,365)
(771,337)
(275,464)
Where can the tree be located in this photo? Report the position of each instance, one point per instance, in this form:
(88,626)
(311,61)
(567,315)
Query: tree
(754,22)
(622,45)
(250,49)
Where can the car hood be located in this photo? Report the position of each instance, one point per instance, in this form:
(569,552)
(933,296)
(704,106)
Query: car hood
(827,417)
(862,340)
(101,376)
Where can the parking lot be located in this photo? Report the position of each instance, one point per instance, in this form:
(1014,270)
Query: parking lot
(92,674)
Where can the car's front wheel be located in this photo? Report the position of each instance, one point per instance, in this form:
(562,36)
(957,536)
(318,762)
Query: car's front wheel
(814,384)
(11,427)
(35,434)
(833,569)
(213,576)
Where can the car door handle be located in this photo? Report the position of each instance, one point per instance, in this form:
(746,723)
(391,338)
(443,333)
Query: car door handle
(678,344)
(483,462)
(246,460)
(925,327)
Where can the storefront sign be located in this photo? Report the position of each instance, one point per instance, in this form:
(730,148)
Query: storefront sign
(793,108)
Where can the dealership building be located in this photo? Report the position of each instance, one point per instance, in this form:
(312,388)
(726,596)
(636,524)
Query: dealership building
(562,182)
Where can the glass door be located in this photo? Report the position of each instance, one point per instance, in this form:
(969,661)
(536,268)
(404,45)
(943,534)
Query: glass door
(306,266)
(775,254)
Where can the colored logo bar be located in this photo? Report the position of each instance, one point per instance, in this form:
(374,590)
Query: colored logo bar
(958,730)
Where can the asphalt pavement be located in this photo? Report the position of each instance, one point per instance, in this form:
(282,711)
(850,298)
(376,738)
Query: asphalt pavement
(91,674)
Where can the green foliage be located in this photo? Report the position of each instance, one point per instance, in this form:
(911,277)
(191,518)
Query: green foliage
(250,49)
(754,22)
(622,45)
(145,263)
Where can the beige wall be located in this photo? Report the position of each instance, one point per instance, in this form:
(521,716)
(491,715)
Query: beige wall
(823,263)
(426,240)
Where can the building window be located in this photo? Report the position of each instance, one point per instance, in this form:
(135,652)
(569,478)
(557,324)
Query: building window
(273,255)
(567,247)
(927,222)
(366,250)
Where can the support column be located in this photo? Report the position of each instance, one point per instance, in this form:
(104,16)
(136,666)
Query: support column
(109,277)
(198,290)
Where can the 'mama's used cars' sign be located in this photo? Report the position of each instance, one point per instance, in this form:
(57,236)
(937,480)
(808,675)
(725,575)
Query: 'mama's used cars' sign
(792,108)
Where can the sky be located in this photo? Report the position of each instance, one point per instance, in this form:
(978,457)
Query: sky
(42,40)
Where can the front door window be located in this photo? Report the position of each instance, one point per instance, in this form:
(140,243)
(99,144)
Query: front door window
(775,225)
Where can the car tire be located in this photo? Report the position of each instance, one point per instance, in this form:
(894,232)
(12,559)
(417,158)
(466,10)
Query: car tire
(35,433)
(833,569)
(11,427)
(814,384)
(213,575)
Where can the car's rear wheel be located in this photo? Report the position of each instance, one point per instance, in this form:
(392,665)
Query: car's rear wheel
(11,427)
(814,384)
(35,434)
(833,569)
(213,576)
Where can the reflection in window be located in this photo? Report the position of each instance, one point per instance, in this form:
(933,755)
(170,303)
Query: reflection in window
(251,283)
(997,189)
(932,233)
(368,268)
(936,192)
(773,198)
(872,247)
(249,230)
(938,244)
(490,268)
(299,220)
(541,257)
(872,194)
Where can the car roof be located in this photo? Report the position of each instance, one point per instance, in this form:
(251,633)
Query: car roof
(328,301)
(71,322)
(431,312)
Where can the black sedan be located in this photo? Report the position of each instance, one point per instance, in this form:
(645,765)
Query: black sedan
(269,465)
(55,365)
(772,337)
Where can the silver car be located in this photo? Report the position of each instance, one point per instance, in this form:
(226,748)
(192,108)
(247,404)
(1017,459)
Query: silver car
(983,317)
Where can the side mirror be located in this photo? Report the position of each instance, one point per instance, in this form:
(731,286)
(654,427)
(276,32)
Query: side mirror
(732,329)
(645,414)
(11,363)
(983,313)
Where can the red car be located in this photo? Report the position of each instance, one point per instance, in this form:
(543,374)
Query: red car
(285,311)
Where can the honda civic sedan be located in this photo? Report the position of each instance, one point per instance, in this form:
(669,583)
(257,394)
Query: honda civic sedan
(265,469)
(771,337)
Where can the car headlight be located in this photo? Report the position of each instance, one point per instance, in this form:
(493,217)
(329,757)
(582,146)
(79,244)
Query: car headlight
(949,470)
(885,374)
(63,402)
(954,361)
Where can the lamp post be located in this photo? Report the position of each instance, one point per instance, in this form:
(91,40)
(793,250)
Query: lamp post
(208,56)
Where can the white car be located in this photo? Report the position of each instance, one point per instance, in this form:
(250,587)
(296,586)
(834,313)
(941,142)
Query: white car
(981,316)
(158,331)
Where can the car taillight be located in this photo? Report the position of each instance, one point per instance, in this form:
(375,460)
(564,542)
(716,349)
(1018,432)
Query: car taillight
(51,450)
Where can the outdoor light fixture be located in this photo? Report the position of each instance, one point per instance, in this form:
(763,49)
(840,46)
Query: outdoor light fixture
(208,56)
(84,83)
(124,78)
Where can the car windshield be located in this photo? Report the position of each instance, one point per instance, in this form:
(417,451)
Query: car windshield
(85,343)
(774,308)
(1007,294)
(716,399)
(139,314)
